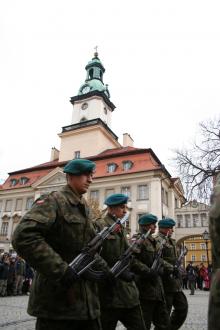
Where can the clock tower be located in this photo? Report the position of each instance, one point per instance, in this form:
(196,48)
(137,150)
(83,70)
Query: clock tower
(90,130)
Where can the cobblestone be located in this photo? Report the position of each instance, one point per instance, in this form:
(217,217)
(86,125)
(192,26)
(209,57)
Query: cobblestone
(13,315)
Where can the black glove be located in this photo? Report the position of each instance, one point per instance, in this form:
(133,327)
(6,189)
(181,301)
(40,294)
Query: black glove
(150,275)
(127,276)
(69,277)
(176,272)
(109,277)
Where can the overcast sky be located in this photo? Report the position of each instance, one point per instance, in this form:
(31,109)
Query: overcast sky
(162,61)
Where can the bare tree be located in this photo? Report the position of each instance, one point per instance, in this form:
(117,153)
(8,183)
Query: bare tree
(95,208)
(199,165)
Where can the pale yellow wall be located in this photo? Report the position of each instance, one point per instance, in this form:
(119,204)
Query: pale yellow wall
(88,140)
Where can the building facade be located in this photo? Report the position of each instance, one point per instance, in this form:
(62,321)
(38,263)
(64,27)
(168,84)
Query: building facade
(136,172)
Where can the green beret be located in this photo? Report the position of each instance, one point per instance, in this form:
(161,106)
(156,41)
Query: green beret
(116,199)
(166,223)
(79,166)
(147,219)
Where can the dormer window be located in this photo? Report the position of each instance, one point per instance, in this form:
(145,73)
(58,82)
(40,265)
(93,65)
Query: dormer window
(23,180)
(13,182)
(77,154)
(111,167)
(127,165)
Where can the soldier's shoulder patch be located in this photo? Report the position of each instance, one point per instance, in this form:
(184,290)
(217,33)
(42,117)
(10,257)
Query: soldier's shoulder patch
(40,201)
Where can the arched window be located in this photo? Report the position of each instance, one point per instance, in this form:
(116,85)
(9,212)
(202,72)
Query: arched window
(91,73)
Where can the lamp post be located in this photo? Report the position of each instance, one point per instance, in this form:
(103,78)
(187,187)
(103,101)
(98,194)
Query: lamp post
(205,236)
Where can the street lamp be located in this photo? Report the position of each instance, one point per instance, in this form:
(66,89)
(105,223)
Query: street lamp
(205,236)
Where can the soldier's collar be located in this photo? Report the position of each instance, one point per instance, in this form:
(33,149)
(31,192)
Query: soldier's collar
(72,196)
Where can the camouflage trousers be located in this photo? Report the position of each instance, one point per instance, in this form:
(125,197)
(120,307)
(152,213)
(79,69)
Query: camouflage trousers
(48,324)
(131,318)
(155,312)
(3,288)
(177,307)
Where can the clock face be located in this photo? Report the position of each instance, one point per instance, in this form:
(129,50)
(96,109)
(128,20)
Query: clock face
(85,89)
(84,106)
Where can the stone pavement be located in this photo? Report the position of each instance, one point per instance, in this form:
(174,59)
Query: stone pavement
(13,314)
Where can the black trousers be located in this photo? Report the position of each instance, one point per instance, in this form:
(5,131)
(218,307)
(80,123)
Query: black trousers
(178,307)
(131,318)
(48,324)
(155,312)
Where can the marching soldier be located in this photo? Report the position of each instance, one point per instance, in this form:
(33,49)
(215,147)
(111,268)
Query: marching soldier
(49,237)
(119,300)
(149,282)
(176,300)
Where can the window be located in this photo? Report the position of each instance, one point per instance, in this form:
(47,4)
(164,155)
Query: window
(126,191)
(18,205)
(4,229)
(105,110)
(23,180)
(193,257)
(77,154)
(193,246)
(203,257)
(29,203)
(143,192)
(8,205)
(127,165)
(176,203)
(13,182)
(203,246)
(111,167)
(195,220)
(166,198)
(94,194)
(179,220)
(204,221)
(0,205)
(188,220)
(109,192)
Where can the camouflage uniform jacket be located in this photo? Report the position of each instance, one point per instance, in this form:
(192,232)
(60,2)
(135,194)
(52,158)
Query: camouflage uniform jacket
(120,294)
(169,254)
(214,228)
(49,237)
(149,290)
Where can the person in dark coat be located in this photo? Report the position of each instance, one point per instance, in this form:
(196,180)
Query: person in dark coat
(4,271)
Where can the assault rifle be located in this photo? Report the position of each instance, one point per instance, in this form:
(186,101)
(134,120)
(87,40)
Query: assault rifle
(157,260)
(123,263)
(183,253)
(178,263)
(89,254)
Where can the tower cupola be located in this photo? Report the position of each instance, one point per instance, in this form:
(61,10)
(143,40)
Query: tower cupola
(94,78)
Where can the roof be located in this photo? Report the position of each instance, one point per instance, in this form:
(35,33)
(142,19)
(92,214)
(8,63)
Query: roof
(142,160)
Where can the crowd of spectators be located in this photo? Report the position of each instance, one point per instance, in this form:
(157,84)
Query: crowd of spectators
(196,277)
(15,275)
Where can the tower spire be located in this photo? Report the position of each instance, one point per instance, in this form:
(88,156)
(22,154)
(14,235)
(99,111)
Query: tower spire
(96,52)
